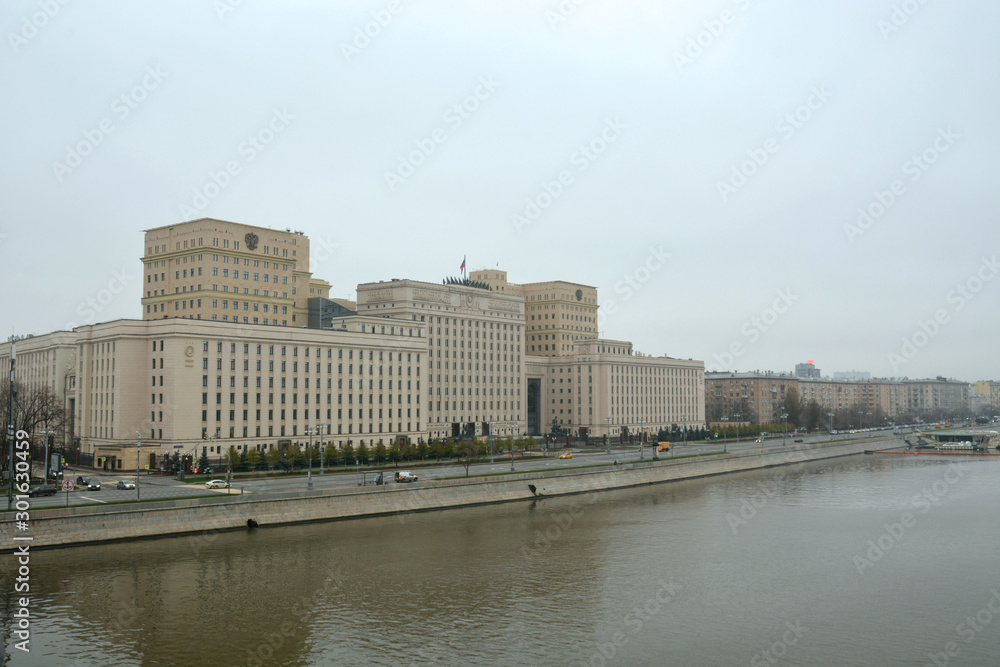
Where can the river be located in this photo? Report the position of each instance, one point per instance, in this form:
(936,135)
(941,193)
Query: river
(867,560)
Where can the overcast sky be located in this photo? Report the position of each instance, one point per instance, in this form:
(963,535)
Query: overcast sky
(703,164)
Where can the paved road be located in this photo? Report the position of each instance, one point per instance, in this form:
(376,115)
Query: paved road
(154,487)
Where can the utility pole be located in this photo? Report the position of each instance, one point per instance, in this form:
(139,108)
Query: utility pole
(10,424)
(47,432)
(138,457)
(309,432)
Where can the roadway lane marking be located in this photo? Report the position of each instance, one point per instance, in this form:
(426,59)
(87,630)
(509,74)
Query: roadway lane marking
(95,500)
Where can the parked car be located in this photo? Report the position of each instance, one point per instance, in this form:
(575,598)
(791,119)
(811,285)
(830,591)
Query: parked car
(405,476)
(566,455)
(217,484)
(43,490)
(125,484)
(94,485)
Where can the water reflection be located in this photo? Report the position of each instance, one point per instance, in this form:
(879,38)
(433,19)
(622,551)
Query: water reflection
(554,581)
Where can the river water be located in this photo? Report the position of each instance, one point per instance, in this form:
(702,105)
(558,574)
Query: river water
(868,560)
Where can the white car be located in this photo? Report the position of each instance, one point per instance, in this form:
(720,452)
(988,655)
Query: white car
(405,476)
(217,484)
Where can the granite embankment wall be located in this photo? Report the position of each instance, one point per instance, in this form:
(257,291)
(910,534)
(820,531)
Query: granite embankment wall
(70,526)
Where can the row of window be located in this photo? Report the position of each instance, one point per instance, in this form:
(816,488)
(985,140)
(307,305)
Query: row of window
(295,431)
(295,367)
(283,349)
(268,277)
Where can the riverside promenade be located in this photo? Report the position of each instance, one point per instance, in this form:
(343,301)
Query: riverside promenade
(72,526)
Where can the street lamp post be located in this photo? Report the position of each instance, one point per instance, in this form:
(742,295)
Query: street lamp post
(512,426)
(322,447)
(309,432)
(642,436)
(724,434)
(47,432)
(138,457)
(607,434)
(685,434)
(489,440)
(830,415)
(784,427)
(738,418)
(229,473)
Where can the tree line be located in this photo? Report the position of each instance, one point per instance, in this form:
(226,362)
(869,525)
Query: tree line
(297,457)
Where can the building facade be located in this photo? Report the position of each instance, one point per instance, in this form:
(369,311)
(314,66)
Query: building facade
(210,269)
(557,313)
(228,356)
(608,388)
(759,397)
(475,350)
(939,394)
(990,389)
(47,361)
(750,398)
(212,386)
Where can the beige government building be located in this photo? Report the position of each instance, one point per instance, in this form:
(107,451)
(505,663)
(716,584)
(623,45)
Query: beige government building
(224,356)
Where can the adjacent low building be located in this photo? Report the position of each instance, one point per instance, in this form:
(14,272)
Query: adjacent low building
(212,386)
(606,387)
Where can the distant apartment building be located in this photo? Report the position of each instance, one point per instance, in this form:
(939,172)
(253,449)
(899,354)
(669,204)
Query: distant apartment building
(939,394)
(758,397)
(990,389)
(807,370)
(753,398)
(852,375)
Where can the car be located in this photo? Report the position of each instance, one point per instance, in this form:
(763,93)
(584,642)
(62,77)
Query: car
(82,480)
(405,476)
(217,484)
(566,455)
(759,440)
(43,490)
(797,440)
(663,447)
(125,484)
(94,485)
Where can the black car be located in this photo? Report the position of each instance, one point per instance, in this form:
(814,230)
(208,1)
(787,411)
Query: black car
(43,490)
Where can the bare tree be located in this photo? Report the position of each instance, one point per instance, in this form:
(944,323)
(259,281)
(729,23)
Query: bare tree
(35,408)
(470,451)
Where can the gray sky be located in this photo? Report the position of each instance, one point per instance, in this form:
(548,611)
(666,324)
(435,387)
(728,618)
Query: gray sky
(715,154)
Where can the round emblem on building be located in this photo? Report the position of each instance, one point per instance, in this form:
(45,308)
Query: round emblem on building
(189,351)
(251,240)
(579,295)
(469,301)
